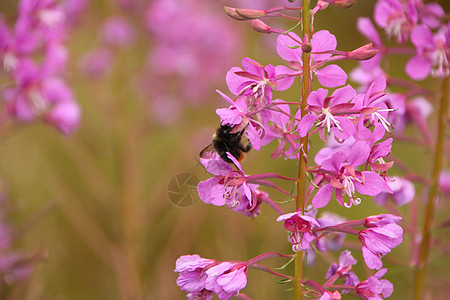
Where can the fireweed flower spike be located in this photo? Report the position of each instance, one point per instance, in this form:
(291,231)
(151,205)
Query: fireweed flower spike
(352,163)
(321,43)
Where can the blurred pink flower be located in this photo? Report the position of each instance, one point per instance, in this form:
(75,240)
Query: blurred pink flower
(96,63)
(432,53)
(117,31)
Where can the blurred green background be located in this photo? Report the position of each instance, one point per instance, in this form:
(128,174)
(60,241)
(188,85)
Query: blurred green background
(97,202)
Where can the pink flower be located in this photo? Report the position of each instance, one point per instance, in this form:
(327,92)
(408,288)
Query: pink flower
(229,187)
(444,182)
(281,127)
(322,41)
(332,242)
(46,14)
(403,192)
(374,111)
(330,295)
(327,111)
(300,229)
(396,17)
(340,171)
(432,53)
(258,81)
(96,63)
(378,241)
(191,268)
(226,279)
(430,13)
(375,288)
(344,269)
(117,31)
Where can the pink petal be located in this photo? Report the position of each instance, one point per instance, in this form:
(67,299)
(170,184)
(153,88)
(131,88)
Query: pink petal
(366,28)
(284,83)
(322,41)
(343,95)
(286,53)
(422,37)
(253,67)
(418,67)
(323,196)
(372,260)
(373,184)
(316,98)
(305,124)
(233,80)
(359,153)
(254,137)
(331,76)
(229,116)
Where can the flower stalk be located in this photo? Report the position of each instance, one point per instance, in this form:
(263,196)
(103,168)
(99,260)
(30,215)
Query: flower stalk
(430,207)
(301,183)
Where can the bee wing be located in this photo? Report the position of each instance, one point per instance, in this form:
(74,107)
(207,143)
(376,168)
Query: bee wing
(208,152)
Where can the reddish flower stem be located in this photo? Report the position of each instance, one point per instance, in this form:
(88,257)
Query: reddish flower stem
(268,270)
(432,193)
(265,256)
(272,204)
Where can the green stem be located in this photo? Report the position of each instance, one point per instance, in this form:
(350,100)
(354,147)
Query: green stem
(430,208)
(301,182)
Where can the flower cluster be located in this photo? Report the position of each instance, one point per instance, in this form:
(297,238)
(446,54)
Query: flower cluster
(34,57)
(202,277)
(357,124)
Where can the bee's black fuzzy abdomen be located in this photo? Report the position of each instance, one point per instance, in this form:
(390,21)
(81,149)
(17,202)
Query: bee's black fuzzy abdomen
(226,141)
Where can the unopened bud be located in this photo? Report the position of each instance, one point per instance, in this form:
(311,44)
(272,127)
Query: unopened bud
(362,53)
(260,26)
(242,14)
(322,4)
(250,14)
(344,3)
(231,11)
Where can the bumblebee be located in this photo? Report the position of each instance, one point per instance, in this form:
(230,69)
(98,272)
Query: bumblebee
(225,140)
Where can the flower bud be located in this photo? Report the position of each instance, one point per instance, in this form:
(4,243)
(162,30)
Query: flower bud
(344,3)
(250,14)
(362,53)
(231,11)
(260,26)
(322,4)
(242,14)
